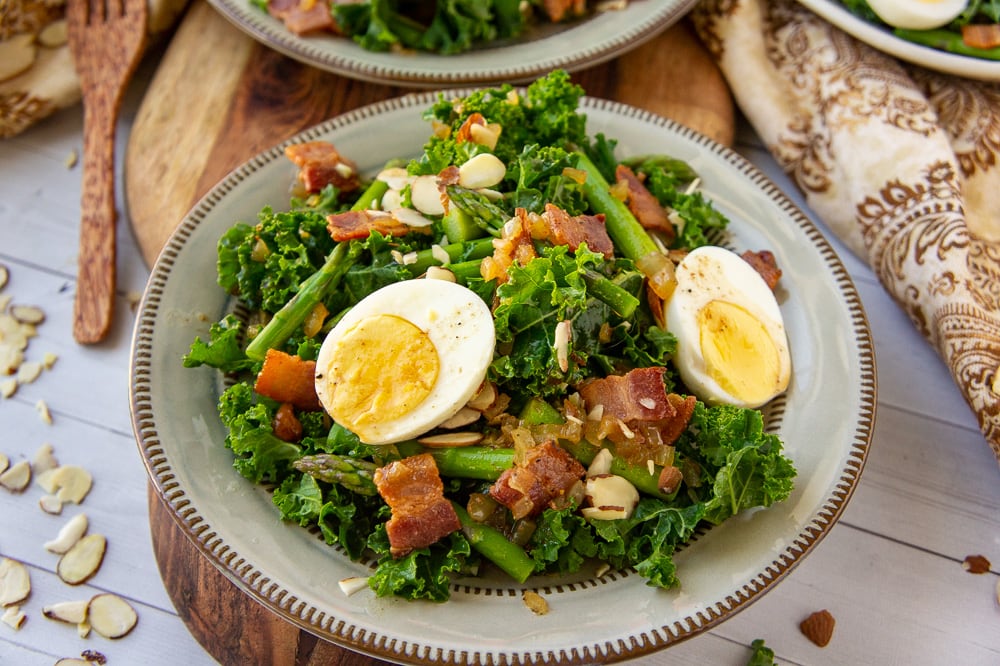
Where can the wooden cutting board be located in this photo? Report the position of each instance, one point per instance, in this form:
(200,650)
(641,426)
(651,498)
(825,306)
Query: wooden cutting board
(217,99)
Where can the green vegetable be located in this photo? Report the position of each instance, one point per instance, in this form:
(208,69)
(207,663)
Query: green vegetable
(351,473)
(494,546)
(947,40)
(760,654)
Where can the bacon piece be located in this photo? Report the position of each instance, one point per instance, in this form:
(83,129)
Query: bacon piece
(639,395)
(288,378)
(573,231)
(673,426)
(764,263)
(546,473)
(981,35)
(421,515)
(646,208)
(320,165)
(557,10)
(354,224)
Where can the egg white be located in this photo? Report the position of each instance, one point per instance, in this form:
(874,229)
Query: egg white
(715,273)
(918,14)
(460,327)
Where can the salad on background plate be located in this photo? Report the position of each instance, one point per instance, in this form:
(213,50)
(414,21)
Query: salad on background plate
(529,353)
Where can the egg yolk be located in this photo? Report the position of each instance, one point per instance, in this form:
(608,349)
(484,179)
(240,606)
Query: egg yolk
(383,368)
(739,353)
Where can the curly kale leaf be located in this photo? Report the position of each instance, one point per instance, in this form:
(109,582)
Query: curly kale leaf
(260,455)
(224,349)
(421,574)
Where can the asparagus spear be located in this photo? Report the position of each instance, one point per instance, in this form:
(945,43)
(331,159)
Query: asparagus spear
(494,546)
(352,473)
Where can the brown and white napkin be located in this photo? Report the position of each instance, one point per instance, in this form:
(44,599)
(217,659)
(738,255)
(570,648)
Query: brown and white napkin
(37,76)
(901,163)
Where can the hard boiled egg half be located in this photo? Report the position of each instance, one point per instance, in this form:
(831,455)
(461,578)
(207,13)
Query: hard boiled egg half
(405,359)
(731,341)
(918,14)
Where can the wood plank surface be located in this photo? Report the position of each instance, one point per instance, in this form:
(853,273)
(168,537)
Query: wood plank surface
(217,99)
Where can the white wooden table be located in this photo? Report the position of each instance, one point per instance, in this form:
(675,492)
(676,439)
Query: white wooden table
(890,571)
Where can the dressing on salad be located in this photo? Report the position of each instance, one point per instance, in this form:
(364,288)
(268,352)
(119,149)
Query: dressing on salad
(457,366)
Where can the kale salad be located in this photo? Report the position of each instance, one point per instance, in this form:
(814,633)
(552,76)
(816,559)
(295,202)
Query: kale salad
(513,354)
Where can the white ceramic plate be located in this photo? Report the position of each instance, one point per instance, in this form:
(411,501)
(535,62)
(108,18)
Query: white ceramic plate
(825,420)
(571,47)
(883,40)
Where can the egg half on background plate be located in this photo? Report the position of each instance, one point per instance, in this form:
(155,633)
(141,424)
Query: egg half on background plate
(918,14)
(731,342)
(405,359)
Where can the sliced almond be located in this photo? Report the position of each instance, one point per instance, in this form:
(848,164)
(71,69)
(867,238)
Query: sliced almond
(485,135)
(17,477)
(49,359)
(73,661)
(410,217)
(395,177)
(28,372)
(425,195)
(13,617)
(71,532)
(45,480)
(81,562)
(8,387)
(4,276)
(11,358)
(483,170)
(83,629)
(451,440)
(27,314)
(44,459)
(352,584)
(440,273)
(71,612)
(485,397)
(43,411)
(50,504)
(462,418)
(15,582)
(4,463)
(72,482)
(17,54)
(111,616)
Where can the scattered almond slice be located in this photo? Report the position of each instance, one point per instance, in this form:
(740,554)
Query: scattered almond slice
(8,387)
(43,412)
(17,54)
(71,612)
(462,418)
(15,582)
(50,504)
(352,584)
(71,159)
(44,459)
(73,661)
(72,483)
(44,479)
(49,359)
(81,562)
(27,314)
(28,372)
(13,617)
(11,358)
(69,534)
(17,477)
(4,276)
(83,629)
(4,463)
(111,616)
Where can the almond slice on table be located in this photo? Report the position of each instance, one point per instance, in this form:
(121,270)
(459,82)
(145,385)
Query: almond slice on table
(4,463)
(17,54)
(15,582)
(13,617)
(70,612)
(17,477)
(81,562)
(69,534)
(44,459)
(71,483)
(111,616)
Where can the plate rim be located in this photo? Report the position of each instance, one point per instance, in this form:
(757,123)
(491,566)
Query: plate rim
(354,62)
(880,39)
(245,575)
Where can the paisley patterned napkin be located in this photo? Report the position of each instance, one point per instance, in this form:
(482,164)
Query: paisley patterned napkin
(37,76)
(902,163)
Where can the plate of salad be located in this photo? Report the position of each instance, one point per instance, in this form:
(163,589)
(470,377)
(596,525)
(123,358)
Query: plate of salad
(469,42)
(445,398)
(959,37)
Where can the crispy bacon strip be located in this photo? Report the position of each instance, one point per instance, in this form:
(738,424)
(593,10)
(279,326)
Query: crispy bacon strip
(286,424)
(764,263)
(514,246)
(546,473)
(355,224)
(639,395)
(320,165)
(421,515)
(981,35)
(288,378)
(644,205)
(573,231)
